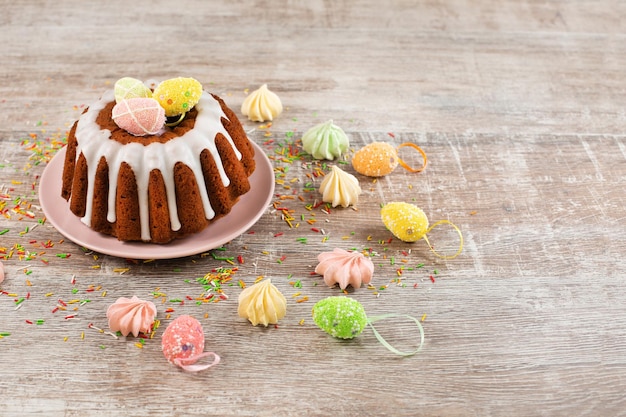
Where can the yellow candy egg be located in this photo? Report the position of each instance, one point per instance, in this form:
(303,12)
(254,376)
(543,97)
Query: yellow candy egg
(128,87)
(178,95)
(375,160)
(406,221)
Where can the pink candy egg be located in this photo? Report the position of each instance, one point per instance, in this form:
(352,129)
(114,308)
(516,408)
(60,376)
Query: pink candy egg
(139,116)
(182,338)
(183,344)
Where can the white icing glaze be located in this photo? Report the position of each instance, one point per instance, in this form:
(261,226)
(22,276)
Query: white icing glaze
(95,143)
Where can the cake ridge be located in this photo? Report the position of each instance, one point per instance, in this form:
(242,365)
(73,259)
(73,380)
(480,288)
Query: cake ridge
(95,143)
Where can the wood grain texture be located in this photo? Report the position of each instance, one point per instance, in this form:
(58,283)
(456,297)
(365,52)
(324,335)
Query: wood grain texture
(519,106)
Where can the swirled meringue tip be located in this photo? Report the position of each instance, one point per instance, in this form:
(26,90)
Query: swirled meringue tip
(262,105)
(262,303)
(325,141)
(131,315)
(340,188)
(345,268)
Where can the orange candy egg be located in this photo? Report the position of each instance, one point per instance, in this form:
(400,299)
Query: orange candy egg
(375,160)
(380,158)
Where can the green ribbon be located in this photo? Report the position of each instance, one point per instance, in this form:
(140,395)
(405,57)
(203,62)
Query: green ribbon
(386,344)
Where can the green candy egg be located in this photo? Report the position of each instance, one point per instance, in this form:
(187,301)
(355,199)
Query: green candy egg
(128,87)
(340,317)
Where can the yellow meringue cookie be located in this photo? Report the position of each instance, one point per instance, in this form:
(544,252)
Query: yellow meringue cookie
(262,105)
(340,188)
(262,303)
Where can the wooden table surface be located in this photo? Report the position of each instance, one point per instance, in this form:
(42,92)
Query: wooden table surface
(519,106)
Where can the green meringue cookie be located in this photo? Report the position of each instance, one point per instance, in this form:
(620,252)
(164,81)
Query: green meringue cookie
(325,141)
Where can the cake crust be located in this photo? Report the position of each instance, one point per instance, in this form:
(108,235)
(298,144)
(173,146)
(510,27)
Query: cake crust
(157,206)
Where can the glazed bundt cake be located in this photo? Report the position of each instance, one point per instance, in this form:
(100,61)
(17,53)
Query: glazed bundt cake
(156,187)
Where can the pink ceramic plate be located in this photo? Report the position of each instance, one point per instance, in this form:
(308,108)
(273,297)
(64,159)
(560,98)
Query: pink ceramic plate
(244,214)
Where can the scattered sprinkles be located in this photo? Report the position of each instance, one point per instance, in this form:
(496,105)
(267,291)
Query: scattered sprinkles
(297,213)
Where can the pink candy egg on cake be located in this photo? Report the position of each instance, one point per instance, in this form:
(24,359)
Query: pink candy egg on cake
(139,116)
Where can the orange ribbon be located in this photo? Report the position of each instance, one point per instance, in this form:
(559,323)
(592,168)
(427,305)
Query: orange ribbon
(417,148)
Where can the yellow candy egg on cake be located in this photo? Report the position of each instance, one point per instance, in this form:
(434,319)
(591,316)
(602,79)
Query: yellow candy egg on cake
(178,95)
(406,221)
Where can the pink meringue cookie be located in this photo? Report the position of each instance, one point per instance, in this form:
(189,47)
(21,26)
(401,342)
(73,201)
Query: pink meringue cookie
(131,315)
(1,272)
(345,268)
